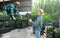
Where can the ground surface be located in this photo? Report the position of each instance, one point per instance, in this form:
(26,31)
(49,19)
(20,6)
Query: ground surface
(18,33)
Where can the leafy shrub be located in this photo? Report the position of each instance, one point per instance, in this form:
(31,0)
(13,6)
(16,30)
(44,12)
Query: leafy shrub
(3,12)
(47,18)
(56,33)
(50,31)
(50,27)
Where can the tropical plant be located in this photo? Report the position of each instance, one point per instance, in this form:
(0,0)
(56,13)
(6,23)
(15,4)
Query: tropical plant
(51,7)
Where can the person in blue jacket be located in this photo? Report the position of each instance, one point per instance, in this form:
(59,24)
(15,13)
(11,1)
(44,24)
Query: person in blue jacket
(37,24)
(12,8)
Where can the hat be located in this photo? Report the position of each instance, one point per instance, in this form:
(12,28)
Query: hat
(18,3)
(41,10)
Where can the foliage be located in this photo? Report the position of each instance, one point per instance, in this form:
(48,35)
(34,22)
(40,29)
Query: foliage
(34,11)
(56,33)
(3,12)
(3,15)
(7,24)
(47,18)
(52,32)
(50,27)
(56,30)
(50,7)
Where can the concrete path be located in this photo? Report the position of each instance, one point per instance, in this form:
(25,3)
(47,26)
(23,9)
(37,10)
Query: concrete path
(19,33)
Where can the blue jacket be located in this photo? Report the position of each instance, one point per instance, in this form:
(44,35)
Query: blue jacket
(11,9)
(38,23)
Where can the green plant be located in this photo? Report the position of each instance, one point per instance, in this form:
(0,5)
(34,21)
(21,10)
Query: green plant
(35,9)
(56,33)
(50,27)
(47,18)
(50,7)
(50,31)
(56,30)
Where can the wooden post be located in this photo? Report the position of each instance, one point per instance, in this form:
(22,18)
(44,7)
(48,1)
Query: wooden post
(59,24)
(3,2)
(46,31)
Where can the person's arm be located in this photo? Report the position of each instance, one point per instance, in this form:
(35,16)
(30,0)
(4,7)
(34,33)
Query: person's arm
(12,11)
(33,22)
(17,11)
(30,20)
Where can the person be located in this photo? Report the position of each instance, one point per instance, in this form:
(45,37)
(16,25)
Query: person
(12,8)
(37,24)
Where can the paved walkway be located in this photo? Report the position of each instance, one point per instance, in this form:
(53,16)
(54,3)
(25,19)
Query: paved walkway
(19,33)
